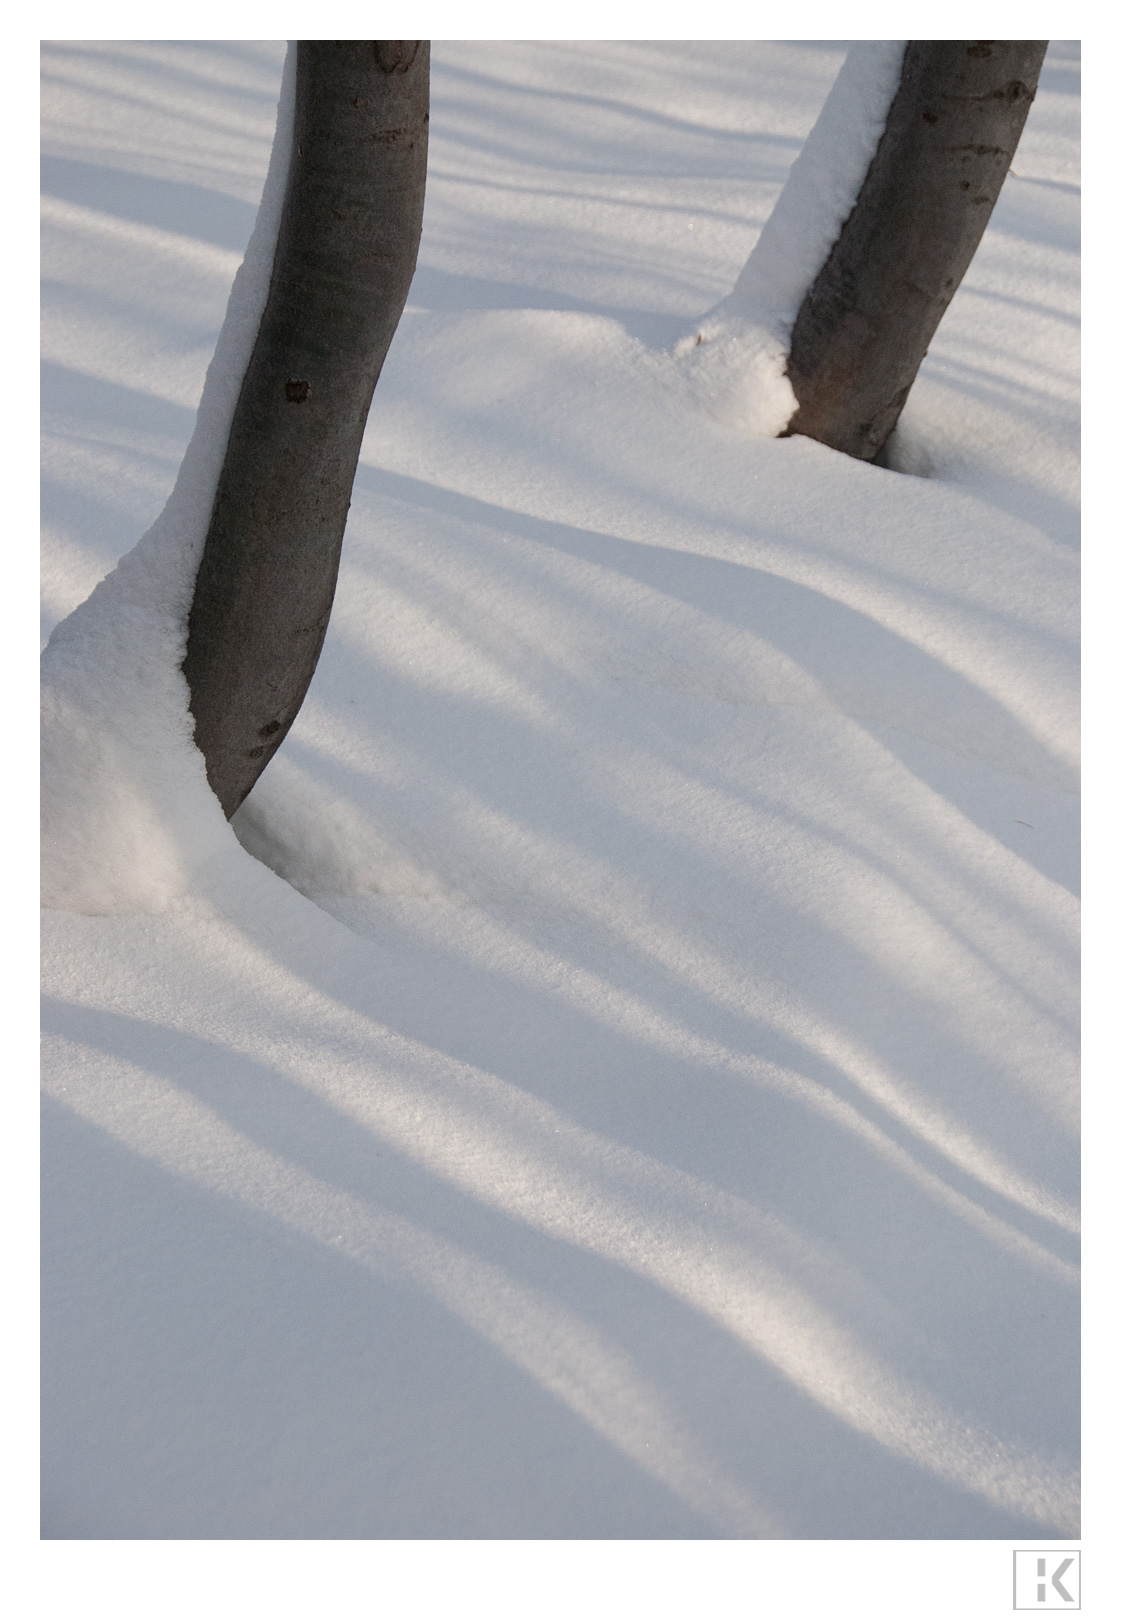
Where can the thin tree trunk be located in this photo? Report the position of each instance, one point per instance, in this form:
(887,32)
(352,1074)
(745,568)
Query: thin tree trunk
(868,320)
(345,257)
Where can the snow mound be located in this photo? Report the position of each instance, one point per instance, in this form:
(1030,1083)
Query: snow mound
(737,356)
(129,821)
(656,1117)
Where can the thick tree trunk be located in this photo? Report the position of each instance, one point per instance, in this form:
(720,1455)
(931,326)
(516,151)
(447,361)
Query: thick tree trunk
(345,257)
(868,320)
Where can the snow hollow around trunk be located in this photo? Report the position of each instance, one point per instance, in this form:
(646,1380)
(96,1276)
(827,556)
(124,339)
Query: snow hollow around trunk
(619,1080)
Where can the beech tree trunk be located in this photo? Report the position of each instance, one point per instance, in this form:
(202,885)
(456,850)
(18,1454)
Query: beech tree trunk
(345,257)
(868,320)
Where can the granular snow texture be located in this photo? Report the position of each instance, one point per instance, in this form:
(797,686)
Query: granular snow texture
(619,1081)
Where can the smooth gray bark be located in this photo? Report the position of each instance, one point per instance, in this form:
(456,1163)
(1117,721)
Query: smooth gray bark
(345,257)
(867,322)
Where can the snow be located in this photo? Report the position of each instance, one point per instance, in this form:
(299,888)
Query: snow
(630,1093)
(129,822)
(738,354)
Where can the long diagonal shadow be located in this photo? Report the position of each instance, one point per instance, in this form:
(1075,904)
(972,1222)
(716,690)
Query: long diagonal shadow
(261,1139)
(168,205)
(795,1337)
(792,1053)
(806,624)
(619,1001)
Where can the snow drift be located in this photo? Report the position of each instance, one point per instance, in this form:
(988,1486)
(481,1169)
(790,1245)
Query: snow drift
(737,355)
(639,1101)
(129,821)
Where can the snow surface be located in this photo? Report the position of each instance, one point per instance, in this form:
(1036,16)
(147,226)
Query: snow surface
(639,1099)
(129,821)
(738,353)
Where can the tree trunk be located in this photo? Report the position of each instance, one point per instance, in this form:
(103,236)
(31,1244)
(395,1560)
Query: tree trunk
(345,257)
(867,321)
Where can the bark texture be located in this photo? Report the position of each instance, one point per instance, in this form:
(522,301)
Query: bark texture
(868,320)
(345,256)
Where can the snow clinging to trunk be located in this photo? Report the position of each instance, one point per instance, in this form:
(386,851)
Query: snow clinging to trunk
(129,820)
(737,354)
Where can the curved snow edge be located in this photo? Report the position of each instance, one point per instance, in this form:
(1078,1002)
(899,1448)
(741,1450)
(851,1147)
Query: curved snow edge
(129,822)
(736,356)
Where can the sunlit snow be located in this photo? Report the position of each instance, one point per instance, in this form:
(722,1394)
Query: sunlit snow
(619,1081)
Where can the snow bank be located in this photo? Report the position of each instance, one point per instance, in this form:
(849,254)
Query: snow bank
(129,821)
(737,355)
(661,1123)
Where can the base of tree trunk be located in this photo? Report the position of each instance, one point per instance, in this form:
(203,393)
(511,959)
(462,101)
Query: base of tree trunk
(867,322)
